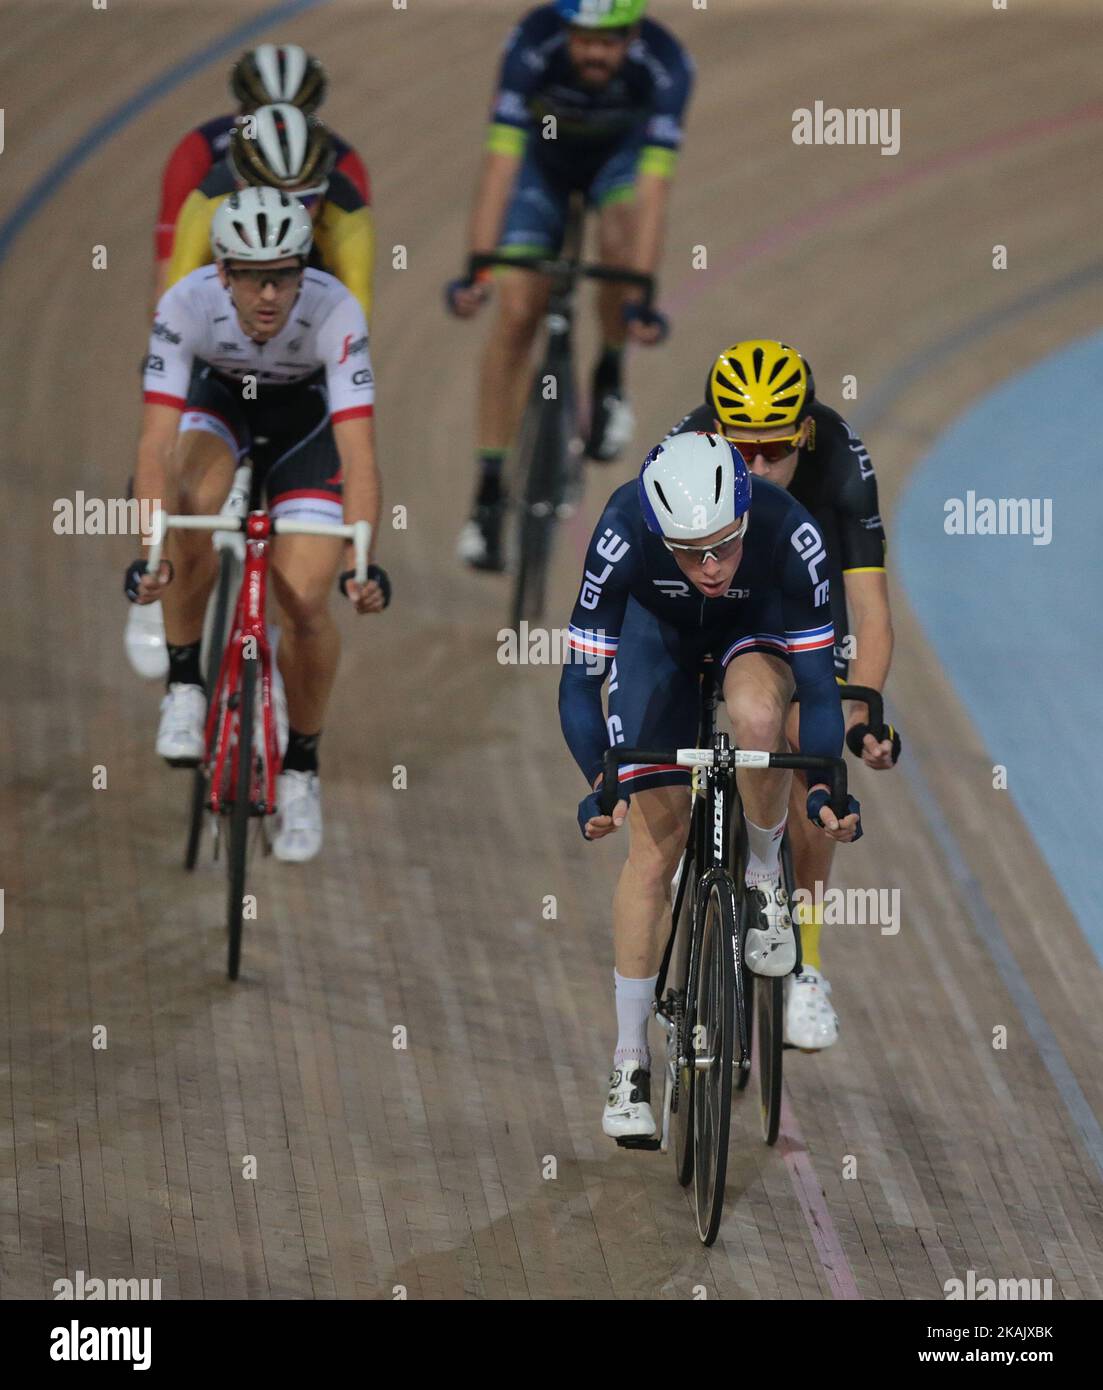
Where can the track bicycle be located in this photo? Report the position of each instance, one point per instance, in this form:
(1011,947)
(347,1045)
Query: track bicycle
(704,989)
(236,779)
(546,461)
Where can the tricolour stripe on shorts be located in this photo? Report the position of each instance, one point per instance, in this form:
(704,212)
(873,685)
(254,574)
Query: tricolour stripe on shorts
(756,639)
(811,639)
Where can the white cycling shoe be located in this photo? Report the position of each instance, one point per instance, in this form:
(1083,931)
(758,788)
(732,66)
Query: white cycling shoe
(771,946)
(298,817)
(180,732)
(611,429)
(144,640)
(628,1104)
(810,1022)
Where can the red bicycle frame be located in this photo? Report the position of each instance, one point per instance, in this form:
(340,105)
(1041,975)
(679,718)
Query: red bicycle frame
(248,638)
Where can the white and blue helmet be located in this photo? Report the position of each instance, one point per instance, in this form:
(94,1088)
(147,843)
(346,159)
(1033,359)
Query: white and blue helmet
(692,486)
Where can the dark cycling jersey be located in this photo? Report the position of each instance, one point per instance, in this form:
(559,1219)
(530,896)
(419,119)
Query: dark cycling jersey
(192,159)
(778,602)
(644,101)
(834,479)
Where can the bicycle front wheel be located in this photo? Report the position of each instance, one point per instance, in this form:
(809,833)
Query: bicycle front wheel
(679,1078)
(239,814)
(715,1047)
(769,997)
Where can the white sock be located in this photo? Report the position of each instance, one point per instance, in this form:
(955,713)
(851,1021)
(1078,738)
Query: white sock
(763,848)
(633,1010)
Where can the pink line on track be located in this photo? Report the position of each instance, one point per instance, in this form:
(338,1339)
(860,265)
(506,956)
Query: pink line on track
(697,282)
(873,192)
(806,1185)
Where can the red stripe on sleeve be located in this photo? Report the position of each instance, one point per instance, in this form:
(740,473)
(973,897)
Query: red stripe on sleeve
(355,412)
(159,398)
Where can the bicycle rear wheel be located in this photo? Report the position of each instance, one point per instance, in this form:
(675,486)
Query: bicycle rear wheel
(715,1037)
(216,638)
(239,814)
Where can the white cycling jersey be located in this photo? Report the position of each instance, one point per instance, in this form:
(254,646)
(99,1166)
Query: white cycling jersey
(326,330)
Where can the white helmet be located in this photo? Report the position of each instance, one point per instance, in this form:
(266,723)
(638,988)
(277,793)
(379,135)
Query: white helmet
(260,224)
(692,486)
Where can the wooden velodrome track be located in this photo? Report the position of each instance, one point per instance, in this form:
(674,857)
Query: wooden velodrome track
(426,1166)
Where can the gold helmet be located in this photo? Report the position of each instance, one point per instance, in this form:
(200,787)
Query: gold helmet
(278,72)
(759,384)
(277,146)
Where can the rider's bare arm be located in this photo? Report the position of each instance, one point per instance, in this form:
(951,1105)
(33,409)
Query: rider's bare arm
(652,197)
(867,596)
(499,174)
(363,494)
(155,446)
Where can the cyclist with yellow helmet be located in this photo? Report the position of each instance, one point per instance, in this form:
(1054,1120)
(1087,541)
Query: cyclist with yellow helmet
(278,146)
(761,395)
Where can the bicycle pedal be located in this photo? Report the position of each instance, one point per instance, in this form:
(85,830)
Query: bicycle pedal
(639,1141)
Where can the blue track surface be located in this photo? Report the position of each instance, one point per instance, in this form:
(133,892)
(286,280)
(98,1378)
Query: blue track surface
(1016,625)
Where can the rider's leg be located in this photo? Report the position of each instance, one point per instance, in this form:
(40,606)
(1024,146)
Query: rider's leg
(304,570)
(198,480)
(503,381)
(611,421)
(304,574)
(522,299)
(757,691)
(758,688)
(658,821)
(810,1020)
(813,854)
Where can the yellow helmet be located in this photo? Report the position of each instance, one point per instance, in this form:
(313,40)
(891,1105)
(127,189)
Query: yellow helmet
(760,384)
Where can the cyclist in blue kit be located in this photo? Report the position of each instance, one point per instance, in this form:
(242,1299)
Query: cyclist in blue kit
(682,565)
(590,99)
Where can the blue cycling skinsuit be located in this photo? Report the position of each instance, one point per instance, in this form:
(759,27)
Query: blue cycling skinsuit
(640,622)
(603,137)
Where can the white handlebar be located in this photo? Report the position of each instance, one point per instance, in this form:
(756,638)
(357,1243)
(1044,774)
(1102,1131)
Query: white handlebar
(359,533)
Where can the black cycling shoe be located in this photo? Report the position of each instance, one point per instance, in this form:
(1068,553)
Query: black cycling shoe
(480,542)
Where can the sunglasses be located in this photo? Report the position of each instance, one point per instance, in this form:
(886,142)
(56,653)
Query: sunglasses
(260,276)
(772,450)
(719,550)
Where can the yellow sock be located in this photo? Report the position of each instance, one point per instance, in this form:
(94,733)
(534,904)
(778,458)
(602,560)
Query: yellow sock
(810,918)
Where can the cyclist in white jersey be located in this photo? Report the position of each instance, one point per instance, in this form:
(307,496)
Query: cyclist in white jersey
(258,355)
